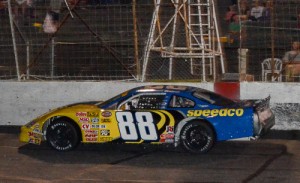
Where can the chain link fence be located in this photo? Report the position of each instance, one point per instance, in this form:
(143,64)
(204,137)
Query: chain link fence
(93,41)
(105,40)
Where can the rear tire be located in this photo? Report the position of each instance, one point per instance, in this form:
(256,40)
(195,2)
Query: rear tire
(197,137)
(62,135)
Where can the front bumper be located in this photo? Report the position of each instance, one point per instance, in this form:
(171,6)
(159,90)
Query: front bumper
(29,135)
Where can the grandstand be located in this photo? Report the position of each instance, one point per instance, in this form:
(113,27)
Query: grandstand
(98,42)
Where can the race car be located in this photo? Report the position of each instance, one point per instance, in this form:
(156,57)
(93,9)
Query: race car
(189,117)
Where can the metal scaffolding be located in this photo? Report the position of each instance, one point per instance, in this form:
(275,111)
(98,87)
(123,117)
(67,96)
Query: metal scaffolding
(200,43)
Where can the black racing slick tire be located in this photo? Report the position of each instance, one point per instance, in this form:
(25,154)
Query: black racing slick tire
(197,137)
(61,135)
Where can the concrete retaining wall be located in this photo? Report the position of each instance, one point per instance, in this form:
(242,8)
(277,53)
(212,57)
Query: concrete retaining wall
(23,101)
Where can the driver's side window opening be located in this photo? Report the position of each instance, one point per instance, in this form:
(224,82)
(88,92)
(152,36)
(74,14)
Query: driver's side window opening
(143,102)
(181,102)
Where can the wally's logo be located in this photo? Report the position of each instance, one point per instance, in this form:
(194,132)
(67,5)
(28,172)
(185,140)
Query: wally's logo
(215,112)
(81,114)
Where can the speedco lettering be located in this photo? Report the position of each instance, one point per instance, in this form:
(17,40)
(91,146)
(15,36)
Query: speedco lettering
(215,112)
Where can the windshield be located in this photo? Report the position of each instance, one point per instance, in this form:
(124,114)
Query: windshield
(108,103)
(103,104)
(213,98)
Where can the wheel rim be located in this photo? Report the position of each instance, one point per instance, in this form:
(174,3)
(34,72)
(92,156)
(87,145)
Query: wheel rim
(62,136)
(197,138)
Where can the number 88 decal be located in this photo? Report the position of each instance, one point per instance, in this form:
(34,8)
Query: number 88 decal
(145,126)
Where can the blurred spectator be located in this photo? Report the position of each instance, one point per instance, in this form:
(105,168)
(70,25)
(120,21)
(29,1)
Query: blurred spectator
(3,6)
(257,11)
(234,26)
(244,10)
(55,5)
(267,10)
(106,1)
(19,5)
(230,12)
(31,8)
(92,2)
(73,2)
(294,54)
(291,61)
(234,2)
(51,21)
(236,32)
(101,2)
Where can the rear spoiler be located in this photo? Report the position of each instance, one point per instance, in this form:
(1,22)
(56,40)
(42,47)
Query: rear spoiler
(261,105)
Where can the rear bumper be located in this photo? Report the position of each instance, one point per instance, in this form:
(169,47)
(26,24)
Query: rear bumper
(269,123)
(262,126)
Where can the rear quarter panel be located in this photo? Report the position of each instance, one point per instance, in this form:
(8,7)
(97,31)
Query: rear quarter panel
(229,123)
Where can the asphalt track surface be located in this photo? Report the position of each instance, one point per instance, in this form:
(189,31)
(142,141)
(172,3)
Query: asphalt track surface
(274,158)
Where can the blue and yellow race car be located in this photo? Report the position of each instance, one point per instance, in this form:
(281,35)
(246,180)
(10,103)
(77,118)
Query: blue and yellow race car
(185,116)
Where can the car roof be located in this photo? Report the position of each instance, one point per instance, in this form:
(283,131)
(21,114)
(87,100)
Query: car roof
(166,88)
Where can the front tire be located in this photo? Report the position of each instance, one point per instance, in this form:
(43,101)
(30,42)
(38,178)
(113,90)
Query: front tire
(197,137)
(61,135)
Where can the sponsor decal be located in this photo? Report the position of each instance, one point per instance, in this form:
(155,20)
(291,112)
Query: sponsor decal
(91,134)
(95,120)
(105,139)
(35,141)
(169,141)
(105,120)
(166,140)
(167,136)
(106,114)
(34,134)
(215,112)
(81,114)
(95,126)
(105,132)
(92,114)
(85,126)
(36,130)
(84,119)
(91,131)
(91,139)
(98,126)
(170,129)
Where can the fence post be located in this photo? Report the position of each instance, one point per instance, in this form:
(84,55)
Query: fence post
(13,39)
(27,59)
(52,57)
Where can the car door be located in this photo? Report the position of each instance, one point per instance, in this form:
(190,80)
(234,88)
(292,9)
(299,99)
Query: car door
(140,118)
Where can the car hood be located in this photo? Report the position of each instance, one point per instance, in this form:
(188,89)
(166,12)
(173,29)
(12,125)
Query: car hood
(76,107)
(80,106)
(84,103)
